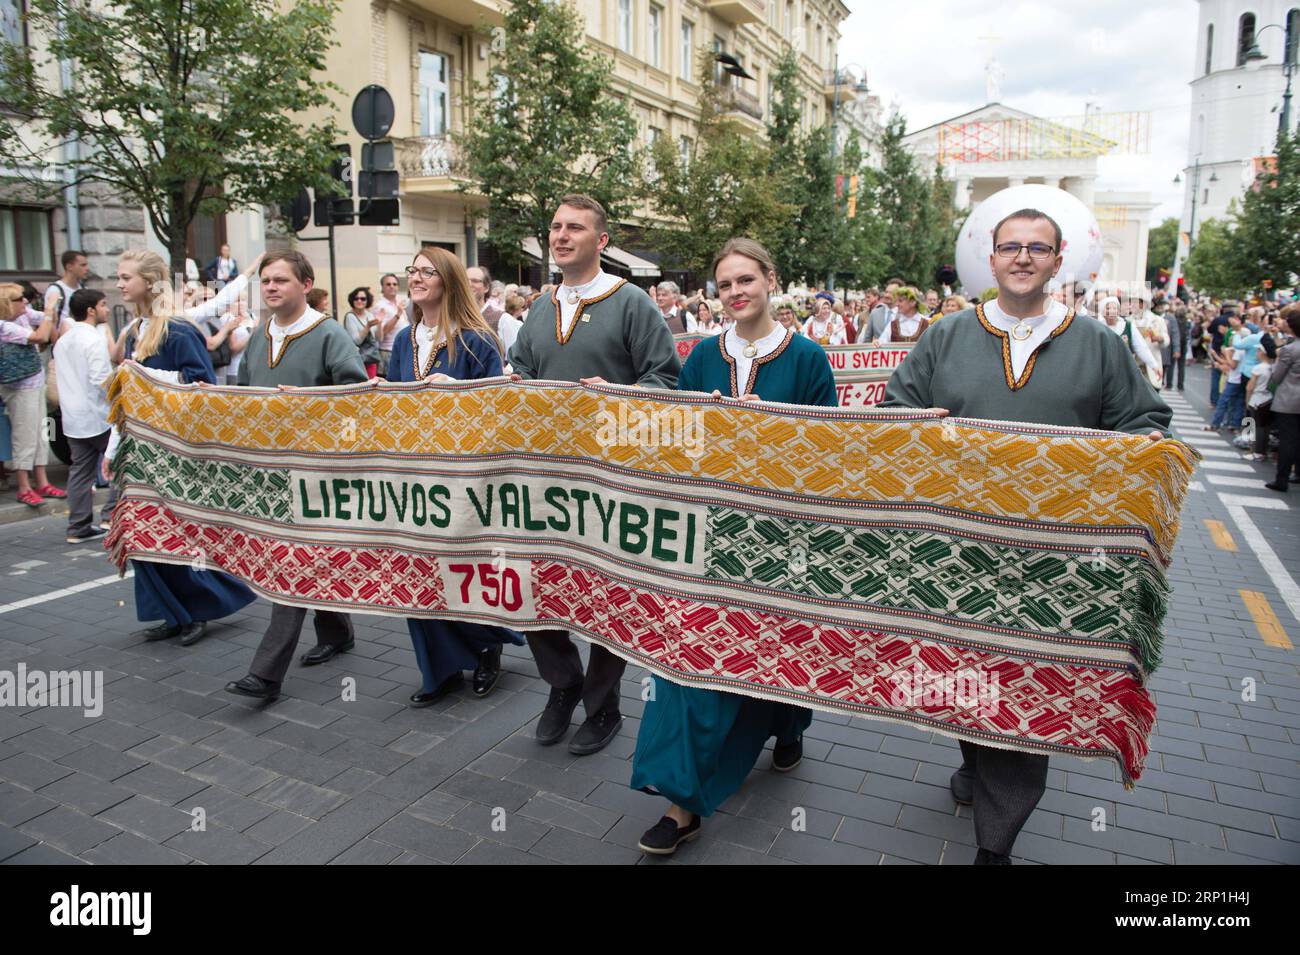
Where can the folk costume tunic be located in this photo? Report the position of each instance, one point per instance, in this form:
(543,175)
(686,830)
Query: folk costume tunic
(169,592)
(696,746)
(1067,371)
(446,647)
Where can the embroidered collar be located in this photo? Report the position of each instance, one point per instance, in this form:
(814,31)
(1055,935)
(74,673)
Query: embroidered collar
(758,360)
(271,358)
(1014,383)
(560,335)
(438,346)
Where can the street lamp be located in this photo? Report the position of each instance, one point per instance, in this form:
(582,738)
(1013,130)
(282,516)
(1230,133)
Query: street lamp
(1255,58)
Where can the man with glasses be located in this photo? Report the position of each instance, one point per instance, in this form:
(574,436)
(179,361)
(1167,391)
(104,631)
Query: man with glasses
(1022,357)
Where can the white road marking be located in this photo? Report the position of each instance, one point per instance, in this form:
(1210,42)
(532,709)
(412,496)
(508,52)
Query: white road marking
(1267,557)
(1219,453)
(1195,486)
(29,564)
(1229,466)
(1255,483)
(65,592)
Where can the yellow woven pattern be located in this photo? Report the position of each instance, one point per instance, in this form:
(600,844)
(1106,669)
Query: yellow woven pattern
(1092,480)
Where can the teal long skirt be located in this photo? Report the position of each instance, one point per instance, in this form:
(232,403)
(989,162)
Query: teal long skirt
(696,747)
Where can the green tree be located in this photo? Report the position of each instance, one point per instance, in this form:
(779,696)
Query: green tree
(720,190)
(1162,242)
(545,124)
(1266,227)
(916,224)
(188,107)
(1214,265)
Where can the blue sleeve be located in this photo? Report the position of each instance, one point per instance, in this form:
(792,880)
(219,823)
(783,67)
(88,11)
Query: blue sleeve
(484,358)
(189,352)
(691,377)
(399,360)
(820,381)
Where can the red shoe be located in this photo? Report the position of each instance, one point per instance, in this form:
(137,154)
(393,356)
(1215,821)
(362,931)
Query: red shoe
(49,490)
(30,498)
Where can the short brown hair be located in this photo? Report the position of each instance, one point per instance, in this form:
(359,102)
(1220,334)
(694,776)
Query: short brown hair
(577,200)
(297,262)
(1291,315)
(317,296)
(1035,215)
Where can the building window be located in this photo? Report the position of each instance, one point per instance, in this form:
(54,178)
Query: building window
(26,240)
(1245,36)
(1209,48)
(684,151)
(817,49)
(1292,53)
(719,78)
(789,19)
(687,52)
(625,25)
(434,92)
(656,18)
(13,29)
(807,36)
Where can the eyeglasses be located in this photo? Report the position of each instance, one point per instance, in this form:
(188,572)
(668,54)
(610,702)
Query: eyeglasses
(1037,250)
(426,273)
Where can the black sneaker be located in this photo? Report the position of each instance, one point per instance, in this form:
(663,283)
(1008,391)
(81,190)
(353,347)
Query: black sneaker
(962,785)
(90,533)
(554,722)
(596,732)
(786,756)
(663,838)
(162,631)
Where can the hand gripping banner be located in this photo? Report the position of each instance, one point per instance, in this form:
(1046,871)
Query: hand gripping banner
(1000,583)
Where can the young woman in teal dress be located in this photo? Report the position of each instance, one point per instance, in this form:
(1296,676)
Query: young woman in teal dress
(695,746)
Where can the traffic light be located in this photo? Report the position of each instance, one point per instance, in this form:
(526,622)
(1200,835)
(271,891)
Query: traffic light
(337,210)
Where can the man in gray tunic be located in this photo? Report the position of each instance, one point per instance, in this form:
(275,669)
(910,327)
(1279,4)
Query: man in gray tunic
(297,347)
(594,327)
(1023,357)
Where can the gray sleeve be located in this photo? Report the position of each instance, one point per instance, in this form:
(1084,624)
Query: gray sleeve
(650,345)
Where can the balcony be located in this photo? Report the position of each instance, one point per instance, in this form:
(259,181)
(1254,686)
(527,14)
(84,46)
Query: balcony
(848,87)
(745,107)
(470,13)
(736,11)
(431,166)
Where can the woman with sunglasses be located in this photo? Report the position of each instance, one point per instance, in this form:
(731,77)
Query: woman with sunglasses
(361,324)
(22,391)
(696,746)
(449,339)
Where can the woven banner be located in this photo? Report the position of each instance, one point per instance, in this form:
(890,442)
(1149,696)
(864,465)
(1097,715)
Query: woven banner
(861,370)
(1002,583)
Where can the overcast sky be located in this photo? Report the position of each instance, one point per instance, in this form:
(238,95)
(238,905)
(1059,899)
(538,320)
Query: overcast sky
(1056,56)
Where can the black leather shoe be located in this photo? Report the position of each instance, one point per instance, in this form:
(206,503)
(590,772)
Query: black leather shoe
(786,756)
(663,838)
(449,685)
(962,785)
(192,633)
(984,857)
(596,732)
(325,651)
(487,672)
(161,632)
(554,721)
(255,687)
(1274,486)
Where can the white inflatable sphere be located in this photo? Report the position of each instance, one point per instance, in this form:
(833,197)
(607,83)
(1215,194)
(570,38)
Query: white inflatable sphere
(1080,235)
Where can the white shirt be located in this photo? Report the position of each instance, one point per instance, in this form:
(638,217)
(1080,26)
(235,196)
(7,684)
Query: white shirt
(1140,347)
(427,341)
(240,334)
(1041,328)
(82,367)
(735,346)
(817,330)
(220,303)
(52,294)
(597,287)
(280,332)
(906,326)
(384,310)
(508,330)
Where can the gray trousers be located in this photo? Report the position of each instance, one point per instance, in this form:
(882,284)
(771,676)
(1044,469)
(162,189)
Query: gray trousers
(560,666)
(1008,786)
(275,652)
(81,482)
